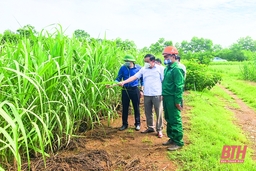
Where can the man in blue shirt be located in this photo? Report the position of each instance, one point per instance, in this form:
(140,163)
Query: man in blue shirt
(153,76)
(130,91)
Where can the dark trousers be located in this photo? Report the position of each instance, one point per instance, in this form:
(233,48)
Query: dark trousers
(132,94)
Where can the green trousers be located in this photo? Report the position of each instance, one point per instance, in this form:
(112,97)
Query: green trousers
(172,116)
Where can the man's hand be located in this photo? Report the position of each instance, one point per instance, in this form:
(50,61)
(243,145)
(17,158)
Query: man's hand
(141,93)
(121,83)
(110,86)
(179,107)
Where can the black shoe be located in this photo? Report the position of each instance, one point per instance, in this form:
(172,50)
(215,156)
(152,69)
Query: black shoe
(174,147)
(169,142)
(123,128)
(147,131)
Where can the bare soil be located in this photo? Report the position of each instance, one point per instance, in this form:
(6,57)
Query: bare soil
(245,119)
(107,148)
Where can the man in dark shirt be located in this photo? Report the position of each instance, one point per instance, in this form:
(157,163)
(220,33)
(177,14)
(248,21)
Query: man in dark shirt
(130,91)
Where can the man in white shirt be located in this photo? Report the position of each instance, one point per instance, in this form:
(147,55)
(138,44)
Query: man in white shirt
(159,62)
(182,66)
(153,76)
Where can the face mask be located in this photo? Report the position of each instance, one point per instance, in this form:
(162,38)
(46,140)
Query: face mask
(127,64)
(147,65)
(167,61)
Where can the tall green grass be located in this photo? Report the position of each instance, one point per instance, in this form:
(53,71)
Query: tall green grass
(49,85)
(249,71)
(245,70)
(233,79)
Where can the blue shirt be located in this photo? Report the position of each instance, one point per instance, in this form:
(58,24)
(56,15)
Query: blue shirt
(152,78)
(125,72)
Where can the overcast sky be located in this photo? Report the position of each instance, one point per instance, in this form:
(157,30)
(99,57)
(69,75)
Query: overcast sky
(142,21)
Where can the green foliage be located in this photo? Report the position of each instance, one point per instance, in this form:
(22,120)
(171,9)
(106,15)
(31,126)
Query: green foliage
(243,49)
(199,77)
(157,48)
(247,43)
(211,126)
(125,45)
(198,49)
(51,86)
(81,34)
(27,31)
(232,79)
(248,71)
(9,37)
(196,45)
(201,49)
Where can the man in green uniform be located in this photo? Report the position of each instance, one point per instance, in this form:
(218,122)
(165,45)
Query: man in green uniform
(172,90)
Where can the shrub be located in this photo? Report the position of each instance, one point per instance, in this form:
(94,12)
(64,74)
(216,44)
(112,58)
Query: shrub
(248,71)
(199,77)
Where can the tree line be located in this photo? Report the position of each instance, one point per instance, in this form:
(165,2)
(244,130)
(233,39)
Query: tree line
(200,49)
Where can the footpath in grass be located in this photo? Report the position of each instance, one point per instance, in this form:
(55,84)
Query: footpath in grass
(211,127)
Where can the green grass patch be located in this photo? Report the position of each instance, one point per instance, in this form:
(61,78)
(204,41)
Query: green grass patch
(225,97)
(211,128)
(230,70)
(245,90)
(232,79)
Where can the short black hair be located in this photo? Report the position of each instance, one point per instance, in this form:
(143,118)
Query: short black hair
(159,60)
(151,57)
(178,58)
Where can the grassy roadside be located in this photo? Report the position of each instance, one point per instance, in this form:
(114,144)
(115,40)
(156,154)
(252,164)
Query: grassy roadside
(245,90)
(231,79)
(211,128)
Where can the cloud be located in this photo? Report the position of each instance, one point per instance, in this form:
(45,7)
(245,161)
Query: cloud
(142,21)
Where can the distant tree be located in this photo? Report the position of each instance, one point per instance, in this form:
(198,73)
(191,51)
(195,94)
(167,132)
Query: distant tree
(217,47)
(226,53)
(201,44)
(197,45)
(27,31)
(158,47)
(168,43)
(216,50)
(177,45)
(144,49)
(9,36)
(125,45)
(81,34)
(247,43)
(236,52)
(185,46)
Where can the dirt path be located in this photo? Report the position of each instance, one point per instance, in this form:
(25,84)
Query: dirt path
(106,148)
(246,119)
